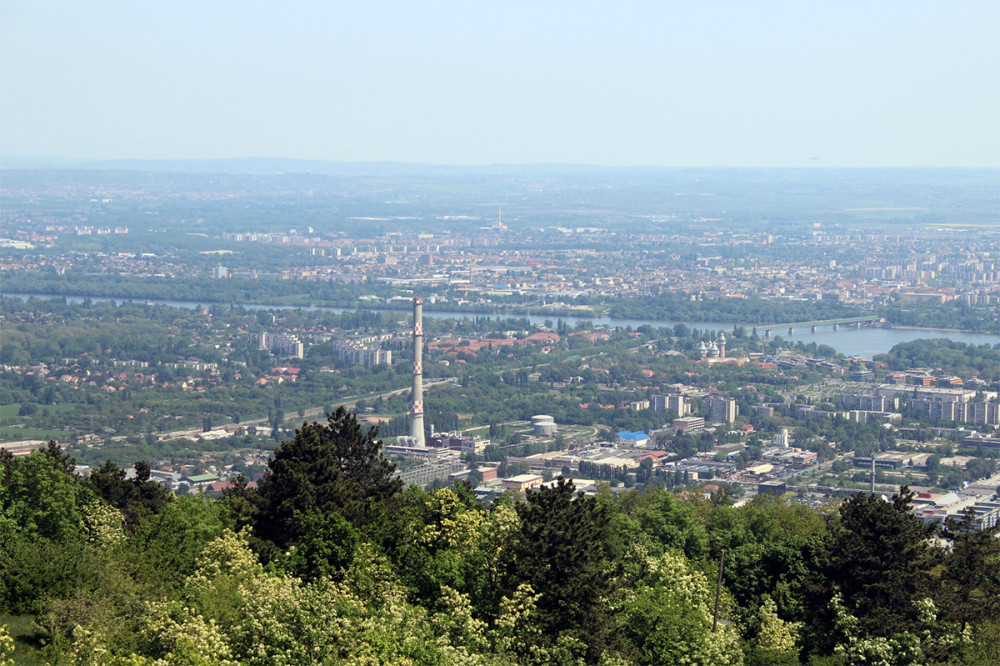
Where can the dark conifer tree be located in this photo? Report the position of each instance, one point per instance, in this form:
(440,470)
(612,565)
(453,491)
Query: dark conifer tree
(62,460)
(562,553)
(971,579)
(880,558)
(137,497)
(334,467)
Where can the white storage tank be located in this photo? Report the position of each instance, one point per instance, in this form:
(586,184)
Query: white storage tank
(543,425)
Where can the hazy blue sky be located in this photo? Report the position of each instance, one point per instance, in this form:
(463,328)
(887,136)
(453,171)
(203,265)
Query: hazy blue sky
(873,83)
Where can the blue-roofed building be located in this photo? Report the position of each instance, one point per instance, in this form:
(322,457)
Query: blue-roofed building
(629,438)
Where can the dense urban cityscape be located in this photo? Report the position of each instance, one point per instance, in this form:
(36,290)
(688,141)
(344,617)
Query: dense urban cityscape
(556,333)
(500,352)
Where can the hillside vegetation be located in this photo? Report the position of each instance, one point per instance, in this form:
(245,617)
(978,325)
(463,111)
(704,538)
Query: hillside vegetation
(329,560)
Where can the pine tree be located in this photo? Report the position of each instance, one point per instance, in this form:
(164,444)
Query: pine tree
(561,552)
(137,498)
(971,579)
(334,467)
(880,560)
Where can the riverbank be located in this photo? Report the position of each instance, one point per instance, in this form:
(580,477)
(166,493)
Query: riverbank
(935,330)
(864,342)
(583,312)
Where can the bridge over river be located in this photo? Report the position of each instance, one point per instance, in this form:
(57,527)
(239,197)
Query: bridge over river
(835,324)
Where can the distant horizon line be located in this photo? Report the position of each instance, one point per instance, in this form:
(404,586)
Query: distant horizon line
(9,162)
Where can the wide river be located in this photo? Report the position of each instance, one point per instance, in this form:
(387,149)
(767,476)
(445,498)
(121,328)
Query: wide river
(864,342)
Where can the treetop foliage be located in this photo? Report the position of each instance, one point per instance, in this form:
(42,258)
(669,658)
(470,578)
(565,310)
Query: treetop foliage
(329,560)
(331,468)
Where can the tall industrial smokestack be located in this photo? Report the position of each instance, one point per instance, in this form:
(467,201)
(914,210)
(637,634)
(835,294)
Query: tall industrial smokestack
(417,397)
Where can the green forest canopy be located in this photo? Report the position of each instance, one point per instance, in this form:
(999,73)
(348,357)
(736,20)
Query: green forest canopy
(111,569)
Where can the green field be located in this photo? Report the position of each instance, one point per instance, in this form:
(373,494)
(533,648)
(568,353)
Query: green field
(12,433)
(9,411)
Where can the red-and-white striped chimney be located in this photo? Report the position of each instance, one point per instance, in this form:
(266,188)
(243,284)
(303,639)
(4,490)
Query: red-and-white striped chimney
(417,395)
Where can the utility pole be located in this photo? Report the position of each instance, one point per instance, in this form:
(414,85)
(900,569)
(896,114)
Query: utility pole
(718,590)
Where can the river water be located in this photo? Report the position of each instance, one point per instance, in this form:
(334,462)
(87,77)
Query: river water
(863,342)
